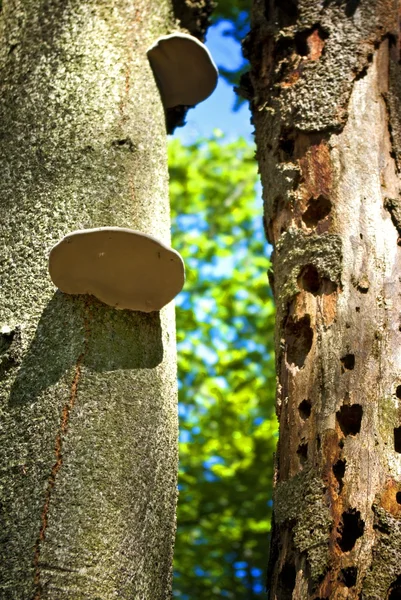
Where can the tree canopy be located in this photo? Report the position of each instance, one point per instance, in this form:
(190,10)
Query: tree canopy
(226,376)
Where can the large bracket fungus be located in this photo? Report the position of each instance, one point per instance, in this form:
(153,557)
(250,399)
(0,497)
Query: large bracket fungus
(121,267)
(183,68)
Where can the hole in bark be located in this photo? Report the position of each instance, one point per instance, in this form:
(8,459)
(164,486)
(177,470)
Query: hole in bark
(286,147)
(286,582)
(363,285)
(299,338)
(339,472)
(310,280)
(301,44)
(398,391)
(125,143)
(348,576)
(287,11)
(302,453)
(351,528)
(398,497)
(317,210)
(351,6)
(318,443)
(301,39)
(348,361)
(6,339)
(305,409)
(349,418)
(397,439)
(394,592)
(358,308)
(283,48)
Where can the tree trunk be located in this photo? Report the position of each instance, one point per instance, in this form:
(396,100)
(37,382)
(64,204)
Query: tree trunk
(88,393)
(326,90)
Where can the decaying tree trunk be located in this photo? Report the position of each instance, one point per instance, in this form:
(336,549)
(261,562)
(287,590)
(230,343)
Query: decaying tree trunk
(326,88)
(88,416)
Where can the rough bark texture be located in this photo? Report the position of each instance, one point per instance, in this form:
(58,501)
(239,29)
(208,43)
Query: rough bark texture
(88,416)
(193,17)
(325,88)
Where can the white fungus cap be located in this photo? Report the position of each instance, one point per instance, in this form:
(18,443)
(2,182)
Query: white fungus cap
(184,69)
(121,267)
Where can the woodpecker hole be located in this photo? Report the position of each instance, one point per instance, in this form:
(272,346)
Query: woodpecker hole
(305,409)
(310,42)
(398,391)
(302,453)
(339,472)
(351,528)
(286,582)
(397,439)
(317,211)
(348,576)
(349,418)
(286,147)
(310,280)
(398,497)
(299,338)
(348,362)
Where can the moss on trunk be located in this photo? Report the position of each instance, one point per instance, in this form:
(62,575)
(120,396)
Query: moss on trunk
(88,394)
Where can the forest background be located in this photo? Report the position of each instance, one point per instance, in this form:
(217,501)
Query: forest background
(225,318)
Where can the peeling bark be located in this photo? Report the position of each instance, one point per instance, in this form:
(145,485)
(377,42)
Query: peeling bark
(88,418)
(325,103)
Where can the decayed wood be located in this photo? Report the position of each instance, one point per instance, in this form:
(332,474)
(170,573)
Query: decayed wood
(325,101)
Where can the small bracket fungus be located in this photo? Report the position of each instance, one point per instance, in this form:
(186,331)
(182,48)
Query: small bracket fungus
(183,68)
(121,267)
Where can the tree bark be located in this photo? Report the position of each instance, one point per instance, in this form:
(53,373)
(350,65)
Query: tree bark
(325,86)
(88,393)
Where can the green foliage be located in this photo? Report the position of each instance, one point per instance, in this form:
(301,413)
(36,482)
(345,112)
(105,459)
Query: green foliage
(226,373)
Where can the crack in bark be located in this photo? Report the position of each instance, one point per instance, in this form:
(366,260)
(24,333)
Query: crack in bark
(58,451)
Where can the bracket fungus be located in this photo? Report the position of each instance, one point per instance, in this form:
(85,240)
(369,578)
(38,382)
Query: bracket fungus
(184,69)
(121,267)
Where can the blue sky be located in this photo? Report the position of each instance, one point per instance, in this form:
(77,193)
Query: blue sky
(216,112)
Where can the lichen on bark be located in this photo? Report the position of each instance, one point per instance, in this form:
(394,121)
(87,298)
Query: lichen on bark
(324,101)
(87,394)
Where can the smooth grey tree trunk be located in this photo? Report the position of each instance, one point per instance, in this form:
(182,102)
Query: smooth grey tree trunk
(88,420)
(325,88)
